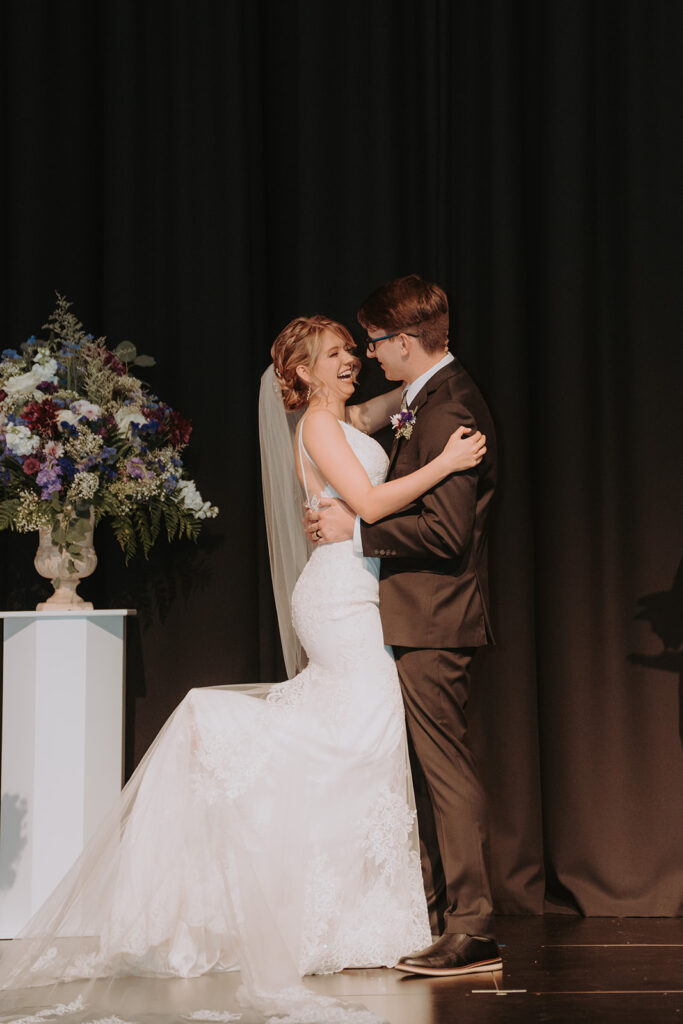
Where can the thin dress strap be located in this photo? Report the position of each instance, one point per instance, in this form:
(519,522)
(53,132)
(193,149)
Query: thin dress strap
(302,452)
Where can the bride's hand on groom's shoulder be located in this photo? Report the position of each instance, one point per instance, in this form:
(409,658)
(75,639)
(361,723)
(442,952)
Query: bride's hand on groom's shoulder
(465,449)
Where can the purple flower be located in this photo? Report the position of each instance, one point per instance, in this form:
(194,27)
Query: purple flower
(135,468)
(50,489)
(403,423)
(48,480)
(47,474)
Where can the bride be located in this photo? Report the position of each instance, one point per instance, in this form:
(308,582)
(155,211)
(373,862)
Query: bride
(269,829)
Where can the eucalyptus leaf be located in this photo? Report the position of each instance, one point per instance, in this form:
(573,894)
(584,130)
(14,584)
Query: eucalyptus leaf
(126,351)
(144,361)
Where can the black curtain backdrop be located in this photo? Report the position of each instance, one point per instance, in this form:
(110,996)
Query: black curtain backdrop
(193,174)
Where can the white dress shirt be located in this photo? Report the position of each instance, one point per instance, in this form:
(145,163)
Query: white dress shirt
(409,393)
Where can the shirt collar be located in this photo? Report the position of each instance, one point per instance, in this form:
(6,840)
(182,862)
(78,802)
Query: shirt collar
(412,389)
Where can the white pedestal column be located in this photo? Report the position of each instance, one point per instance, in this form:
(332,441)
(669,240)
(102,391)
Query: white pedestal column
(62,747)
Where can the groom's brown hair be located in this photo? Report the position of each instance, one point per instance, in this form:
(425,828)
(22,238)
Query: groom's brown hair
(409,303)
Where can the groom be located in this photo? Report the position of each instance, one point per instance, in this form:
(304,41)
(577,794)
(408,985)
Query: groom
(434,609)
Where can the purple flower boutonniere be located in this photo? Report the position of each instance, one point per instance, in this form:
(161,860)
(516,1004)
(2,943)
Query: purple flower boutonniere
(403,423)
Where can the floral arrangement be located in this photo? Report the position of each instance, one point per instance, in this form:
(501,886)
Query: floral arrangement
(81,438)
(403,423)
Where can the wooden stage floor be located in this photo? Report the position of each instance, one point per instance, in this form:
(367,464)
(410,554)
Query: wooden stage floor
(557,969)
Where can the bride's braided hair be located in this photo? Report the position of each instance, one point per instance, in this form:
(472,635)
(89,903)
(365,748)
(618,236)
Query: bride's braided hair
(299,344)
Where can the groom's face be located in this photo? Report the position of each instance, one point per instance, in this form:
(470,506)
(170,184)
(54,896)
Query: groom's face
(384,346)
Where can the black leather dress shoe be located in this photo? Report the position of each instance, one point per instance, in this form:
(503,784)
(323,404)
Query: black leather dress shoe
(454,954)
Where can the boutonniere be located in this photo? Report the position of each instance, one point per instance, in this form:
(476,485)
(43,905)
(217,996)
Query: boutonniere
(403,423)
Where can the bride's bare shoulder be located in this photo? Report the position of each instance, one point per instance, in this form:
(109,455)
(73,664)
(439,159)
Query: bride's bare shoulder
(319,419)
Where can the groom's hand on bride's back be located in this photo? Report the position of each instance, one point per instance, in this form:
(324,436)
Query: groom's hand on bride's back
(330,523)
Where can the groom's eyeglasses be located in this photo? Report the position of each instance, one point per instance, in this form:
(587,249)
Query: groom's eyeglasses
(371,342)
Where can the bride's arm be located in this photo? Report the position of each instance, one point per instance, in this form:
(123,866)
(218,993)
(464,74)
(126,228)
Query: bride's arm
(325,441)
(374,414)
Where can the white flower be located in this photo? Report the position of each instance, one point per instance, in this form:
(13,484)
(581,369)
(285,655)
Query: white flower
(25,383)
(46,364)
(187,495)
(53,450)
(20,440)
(66,416)
(83,487)
(129,414)
(87,409)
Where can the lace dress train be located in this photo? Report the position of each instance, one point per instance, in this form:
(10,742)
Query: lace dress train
(270,830)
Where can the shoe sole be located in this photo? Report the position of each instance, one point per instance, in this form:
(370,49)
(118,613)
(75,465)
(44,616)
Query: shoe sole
(484,967)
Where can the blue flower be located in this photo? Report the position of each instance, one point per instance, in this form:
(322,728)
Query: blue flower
(10,353)
(108,454)
(67,467)
(150,427)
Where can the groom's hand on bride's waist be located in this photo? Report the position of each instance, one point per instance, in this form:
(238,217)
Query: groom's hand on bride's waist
(331,522)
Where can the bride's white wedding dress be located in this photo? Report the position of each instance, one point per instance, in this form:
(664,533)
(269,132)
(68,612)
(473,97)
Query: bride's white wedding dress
(271,831)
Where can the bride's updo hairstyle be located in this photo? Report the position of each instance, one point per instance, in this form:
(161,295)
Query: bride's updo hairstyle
(299,344)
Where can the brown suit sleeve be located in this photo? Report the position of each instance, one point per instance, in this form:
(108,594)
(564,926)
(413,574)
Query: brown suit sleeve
(441,523)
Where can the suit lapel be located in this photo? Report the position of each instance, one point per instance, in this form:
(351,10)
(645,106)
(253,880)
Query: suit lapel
(420,400)
(393,454)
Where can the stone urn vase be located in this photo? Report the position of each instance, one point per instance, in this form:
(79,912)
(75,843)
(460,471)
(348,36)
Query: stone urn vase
(66,556)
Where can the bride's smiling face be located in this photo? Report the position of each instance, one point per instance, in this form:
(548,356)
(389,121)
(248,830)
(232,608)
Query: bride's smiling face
(336,367)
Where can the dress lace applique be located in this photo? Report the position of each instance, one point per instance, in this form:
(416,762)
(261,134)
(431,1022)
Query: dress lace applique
(388,828)
(52,1012)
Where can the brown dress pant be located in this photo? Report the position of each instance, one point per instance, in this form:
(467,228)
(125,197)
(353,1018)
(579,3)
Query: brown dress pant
(450,800)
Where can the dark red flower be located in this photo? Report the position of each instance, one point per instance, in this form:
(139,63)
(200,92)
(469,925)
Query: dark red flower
(113,363)
(41,417)
(179,429)
(3,395)
(31,465)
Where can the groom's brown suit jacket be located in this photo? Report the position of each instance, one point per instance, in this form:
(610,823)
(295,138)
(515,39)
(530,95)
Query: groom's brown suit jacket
(434,572)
